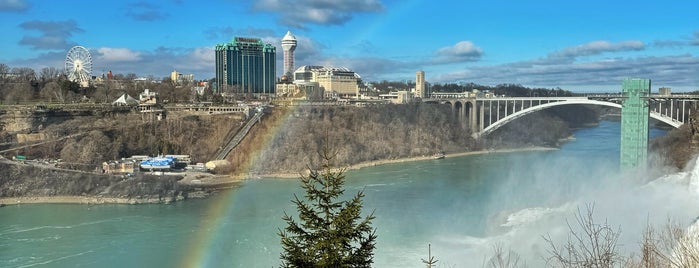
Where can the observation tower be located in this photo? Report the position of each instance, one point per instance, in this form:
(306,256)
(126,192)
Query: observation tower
(289,45)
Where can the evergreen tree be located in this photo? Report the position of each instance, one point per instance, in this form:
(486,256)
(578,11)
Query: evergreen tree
(331,233)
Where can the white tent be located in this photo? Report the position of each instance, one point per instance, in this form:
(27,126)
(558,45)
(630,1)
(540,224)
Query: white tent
(125,100)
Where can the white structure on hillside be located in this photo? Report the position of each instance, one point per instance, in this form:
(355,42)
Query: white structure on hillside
(125,100)
(289,45)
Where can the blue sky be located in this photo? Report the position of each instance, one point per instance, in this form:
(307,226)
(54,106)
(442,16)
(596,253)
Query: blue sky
(577,45)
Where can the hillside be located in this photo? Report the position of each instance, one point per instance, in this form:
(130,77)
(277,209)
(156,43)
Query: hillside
(29,180)
(677,147)
(291,138)
(287,140)
(87,141)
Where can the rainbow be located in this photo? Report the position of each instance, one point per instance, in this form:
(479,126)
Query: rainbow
(200,252)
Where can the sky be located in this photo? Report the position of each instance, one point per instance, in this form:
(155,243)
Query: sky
(575,45)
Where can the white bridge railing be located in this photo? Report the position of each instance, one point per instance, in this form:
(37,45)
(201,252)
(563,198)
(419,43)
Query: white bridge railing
(486,114)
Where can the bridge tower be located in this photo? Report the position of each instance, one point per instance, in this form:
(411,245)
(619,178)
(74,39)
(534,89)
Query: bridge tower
(634,122)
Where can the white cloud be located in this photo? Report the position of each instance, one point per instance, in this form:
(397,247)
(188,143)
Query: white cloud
(678,70)
(463,51)
(324,12)
(118,54)
(596,48)
(201,58)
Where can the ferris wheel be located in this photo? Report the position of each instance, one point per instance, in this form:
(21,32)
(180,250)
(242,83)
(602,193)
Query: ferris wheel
(78,65)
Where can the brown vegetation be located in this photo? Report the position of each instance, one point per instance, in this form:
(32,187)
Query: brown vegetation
(290,138)
(94,139)
(27,180)
(677,147)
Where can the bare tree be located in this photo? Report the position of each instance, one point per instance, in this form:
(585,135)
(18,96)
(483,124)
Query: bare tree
(502,259)
(48,73)
(25,73)
(672,246)
(52,91)
(4,68)
(593,245)
(18,92)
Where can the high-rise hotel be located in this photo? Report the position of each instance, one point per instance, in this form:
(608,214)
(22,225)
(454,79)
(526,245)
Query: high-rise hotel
(289,45)
(246,66)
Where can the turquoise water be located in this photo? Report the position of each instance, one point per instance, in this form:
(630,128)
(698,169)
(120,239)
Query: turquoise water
(456,204)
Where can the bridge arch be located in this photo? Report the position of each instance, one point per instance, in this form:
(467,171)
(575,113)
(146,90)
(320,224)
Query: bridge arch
(458,110)
(497,124)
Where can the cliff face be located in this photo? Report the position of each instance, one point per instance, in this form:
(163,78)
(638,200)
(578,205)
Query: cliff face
(27,180)
(677,147)
(85,141)
(358,135)
(287,140)
(290,139)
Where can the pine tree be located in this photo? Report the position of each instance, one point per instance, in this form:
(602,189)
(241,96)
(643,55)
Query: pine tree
(331,233)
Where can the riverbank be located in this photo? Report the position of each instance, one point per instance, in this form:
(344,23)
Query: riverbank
(77,200)
(409,159)
(217,182)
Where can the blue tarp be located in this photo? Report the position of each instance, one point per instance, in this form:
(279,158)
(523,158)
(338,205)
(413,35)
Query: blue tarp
(159,162)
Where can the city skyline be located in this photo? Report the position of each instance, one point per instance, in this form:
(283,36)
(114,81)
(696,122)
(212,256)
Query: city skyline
(585,46)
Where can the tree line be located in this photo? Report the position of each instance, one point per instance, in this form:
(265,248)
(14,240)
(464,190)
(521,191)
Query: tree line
(510,90)
(20,85)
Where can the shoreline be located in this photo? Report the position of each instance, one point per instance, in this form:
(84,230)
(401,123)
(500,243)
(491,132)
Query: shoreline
(67,199)
(230,181)
(406,159)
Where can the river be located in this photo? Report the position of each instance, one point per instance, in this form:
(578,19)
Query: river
(462,206)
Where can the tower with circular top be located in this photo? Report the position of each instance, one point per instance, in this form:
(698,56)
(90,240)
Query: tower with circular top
(289,45)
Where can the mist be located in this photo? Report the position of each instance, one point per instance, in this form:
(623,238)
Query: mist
(541,195)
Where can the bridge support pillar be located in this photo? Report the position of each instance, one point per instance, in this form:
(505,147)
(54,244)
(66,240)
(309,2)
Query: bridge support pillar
(634,122)
(481,116)
(473,113)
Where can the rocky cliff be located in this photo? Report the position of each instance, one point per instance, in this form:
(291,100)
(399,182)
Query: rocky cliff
(677,147)
(288,140)
(291,138)
(27,180)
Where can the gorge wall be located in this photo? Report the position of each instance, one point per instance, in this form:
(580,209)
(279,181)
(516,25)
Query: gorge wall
(292,138)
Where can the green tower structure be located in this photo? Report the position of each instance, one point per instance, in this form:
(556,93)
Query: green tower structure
(247,64)
(634,122)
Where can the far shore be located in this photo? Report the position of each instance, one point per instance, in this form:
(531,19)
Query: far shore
(220,182)
(75,200)
(410,159)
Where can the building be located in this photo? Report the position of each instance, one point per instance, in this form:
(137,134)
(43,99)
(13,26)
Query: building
(149,105)
(665,91)
(246,66)
(340,82)
(420,85)
(148,97)
(286,89)
(397,97)
(118,166)
(180,78)
(289,45)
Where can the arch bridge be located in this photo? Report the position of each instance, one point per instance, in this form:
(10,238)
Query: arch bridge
(484,114)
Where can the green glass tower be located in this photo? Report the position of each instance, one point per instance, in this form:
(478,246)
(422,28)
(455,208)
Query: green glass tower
(246,66)
(634,122)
